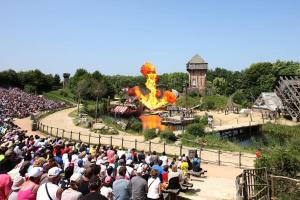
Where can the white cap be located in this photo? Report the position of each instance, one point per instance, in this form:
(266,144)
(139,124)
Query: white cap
(35,172)
(54,171)
(139,170)
(128,162)
(76,177)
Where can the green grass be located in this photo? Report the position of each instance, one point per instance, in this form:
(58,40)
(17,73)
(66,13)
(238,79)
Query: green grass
(64,95)
(219,101)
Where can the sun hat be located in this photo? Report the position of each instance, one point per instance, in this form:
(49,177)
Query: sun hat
(76,177)
(54,171)
(35,172)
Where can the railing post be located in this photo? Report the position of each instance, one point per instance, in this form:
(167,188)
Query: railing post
(43,128)
(63,133)
(71,135)
(51,130)
(149,146)
(99,138)
(135,144)
(180,150)
(200,151)
(165,147)
(122,143)
(240,159)
(56,132)
(110,140)
(89,139)
(219,157)
(47,129)
(79,136)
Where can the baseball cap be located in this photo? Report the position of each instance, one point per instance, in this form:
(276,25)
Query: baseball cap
(54,171)
(76,177)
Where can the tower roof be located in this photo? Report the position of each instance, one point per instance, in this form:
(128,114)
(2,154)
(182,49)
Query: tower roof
(196,59)
(196,63)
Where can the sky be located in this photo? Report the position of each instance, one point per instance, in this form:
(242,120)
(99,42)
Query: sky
(117,37)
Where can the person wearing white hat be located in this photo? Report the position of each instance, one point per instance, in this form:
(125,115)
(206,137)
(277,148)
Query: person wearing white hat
(18,181)
(72,193)
(30,187)
(139,185)
(50,190)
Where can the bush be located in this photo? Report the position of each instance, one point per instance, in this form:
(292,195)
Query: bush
(149,134)
(214,102)
(240,98)
(196,129)
(135,125)
(168,136)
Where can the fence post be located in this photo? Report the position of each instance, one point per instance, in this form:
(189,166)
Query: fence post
(71,135)
(89,139)
(219,157)
(180,150)
(240,159)
(63,133)
(200,150)
(165,147)
(79,136)
(122,143)
(47,129)
(135,144)
(56,132)
(149,146)
(51,130)
(110,140)
(99,138)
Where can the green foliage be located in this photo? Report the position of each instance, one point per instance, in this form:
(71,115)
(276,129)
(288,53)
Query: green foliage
(29,88)
(196,129)
(188,101)
(214,102)
(34,80)
(168,136)
(240,98)
(135,125)
(64,95)
(149,134)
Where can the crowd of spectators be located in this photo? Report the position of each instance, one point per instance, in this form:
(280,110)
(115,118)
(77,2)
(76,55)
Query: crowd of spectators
(36,168)
(16,103)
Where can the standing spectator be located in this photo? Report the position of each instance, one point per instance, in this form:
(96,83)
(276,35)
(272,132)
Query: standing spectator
(106,189)
(121,187)
(84,186)
(50,190)
(72,193)
(94,186)
(154,186)
(139,186)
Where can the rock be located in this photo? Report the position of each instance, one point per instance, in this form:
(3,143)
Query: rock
(99,126)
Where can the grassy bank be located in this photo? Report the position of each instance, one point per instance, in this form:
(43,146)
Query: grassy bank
(64,95)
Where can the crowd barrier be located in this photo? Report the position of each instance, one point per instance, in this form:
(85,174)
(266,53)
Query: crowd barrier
(219,157)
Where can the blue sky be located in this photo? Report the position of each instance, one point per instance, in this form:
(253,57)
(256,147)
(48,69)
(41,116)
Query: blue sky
(117,37)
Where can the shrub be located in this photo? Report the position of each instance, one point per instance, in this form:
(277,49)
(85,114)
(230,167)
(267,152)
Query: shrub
(196,129)
(149,134)
(168,136)
(240,98)
(135,125)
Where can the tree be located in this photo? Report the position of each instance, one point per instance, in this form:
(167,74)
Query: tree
(98,91)
(56,80)
(220,84)
(81,89)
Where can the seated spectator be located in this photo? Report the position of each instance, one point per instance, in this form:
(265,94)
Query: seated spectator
(154,186)
(106,189)
(5,186)
(94,186)
(196,164)
(50,190)
(139,185)
(174,178)
(72,193)
(121,187)
(18,181)
(29,188)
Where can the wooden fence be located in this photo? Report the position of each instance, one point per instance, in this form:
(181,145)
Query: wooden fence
(218,157)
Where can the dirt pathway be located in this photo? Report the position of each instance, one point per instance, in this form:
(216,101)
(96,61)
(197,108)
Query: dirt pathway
(220,180)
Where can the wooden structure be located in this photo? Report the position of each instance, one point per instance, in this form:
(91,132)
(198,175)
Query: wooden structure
(66,79)
(253,184)
(197,68)
(288,90)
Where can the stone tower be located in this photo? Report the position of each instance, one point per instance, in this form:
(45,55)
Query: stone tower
(197,68)
(66,80)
